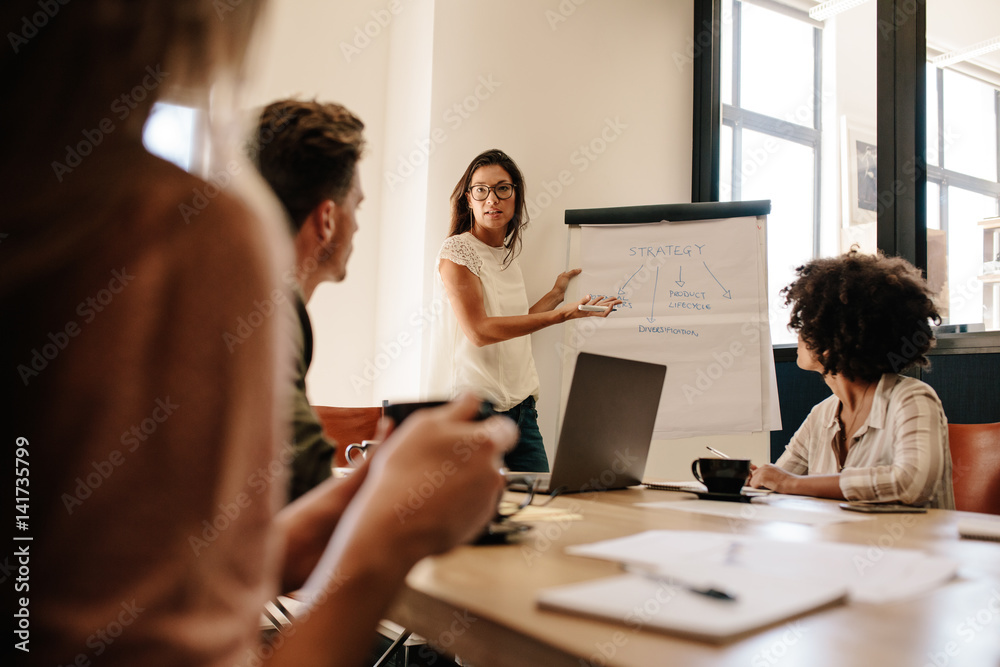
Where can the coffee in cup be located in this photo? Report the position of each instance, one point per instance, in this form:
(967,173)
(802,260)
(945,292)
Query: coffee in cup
(721,475)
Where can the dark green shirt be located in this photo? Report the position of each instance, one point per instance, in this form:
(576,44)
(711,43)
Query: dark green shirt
(313,451)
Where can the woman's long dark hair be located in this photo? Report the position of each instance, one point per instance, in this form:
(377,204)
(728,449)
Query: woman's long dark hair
(461,214)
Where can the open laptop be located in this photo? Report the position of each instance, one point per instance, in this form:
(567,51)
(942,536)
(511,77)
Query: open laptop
(607,428)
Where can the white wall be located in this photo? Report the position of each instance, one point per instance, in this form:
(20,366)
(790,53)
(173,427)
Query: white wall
(598,91)
(298,48)
(854,34)
(402,262)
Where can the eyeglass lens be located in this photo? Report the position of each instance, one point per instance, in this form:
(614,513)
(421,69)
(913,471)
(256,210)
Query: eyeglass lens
(502,191)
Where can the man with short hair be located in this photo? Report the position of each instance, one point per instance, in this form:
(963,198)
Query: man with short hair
(308,153)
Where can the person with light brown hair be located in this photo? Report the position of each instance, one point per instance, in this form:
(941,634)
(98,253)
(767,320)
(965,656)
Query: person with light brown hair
(881,437)
(154,444)
(308,153)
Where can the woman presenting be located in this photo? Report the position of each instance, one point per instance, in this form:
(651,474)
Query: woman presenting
(483,344)
(880,437)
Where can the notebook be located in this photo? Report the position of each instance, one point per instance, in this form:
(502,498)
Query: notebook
(607,427)
(698,487)
(666,605)
(979,528)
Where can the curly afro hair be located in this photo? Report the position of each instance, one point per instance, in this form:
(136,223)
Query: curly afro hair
(863,315)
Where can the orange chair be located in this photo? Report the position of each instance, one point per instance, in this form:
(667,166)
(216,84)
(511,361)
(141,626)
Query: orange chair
(975,466)
(347,426)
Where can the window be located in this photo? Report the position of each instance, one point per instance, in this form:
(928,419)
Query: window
(963,151)
(171,133)
(945,221)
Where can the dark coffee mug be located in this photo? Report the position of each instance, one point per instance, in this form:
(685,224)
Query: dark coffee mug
(721,475)
(356,453)
(400,411)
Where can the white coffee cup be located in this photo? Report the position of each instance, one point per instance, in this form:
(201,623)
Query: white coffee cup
(361,449)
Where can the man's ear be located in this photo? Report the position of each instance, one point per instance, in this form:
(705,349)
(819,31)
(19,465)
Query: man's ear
(322,221)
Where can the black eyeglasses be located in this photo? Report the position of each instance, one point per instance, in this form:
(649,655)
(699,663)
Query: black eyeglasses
(502,528)
(508,509)
(501,190)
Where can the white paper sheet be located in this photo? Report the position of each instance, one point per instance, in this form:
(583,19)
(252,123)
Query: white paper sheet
(636,601)
(757,511)
(871,573)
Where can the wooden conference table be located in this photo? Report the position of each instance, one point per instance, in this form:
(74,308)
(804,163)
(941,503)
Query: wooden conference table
(479,601)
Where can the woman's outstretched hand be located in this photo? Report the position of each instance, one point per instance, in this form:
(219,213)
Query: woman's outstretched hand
(606,303)
(572,311)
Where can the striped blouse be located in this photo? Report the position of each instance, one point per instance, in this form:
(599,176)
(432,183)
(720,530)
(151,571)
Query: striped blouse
(900,454)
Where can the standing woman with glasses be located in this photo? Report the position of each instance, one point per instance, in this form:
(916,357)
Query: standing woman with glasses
(483,344)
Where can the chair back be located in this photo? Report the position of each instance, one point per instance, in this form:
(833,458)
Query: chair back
(975,466)
(347,426)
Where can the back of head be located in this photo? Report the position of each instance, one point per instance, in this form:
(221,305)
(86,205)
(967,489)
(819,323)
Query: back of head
(307,152)
(138,302)
(863,315)
(83,75)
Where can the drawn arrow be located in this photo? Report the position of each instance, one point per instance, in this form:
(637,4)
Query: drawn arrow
(621,290)
(680,277)
(651,319)
(725,292)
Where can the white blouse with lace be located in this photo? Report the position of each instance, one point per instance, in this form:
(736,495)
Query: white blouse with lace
(503,373)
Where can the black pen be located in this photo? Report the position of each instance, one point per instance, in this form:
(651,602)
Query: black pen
(653,575)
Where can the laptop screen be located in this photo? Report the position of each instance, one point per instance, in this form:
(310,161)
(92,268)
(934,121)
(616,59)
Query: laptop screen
(608,424)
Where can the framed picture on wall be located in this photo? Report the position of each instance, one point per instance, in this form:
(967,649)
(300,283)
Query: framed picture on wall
(859,173)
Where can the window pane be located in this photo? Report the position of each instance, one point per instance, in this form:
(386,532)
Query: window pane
(970,126)
(776,67)
(781,171)
(726,164)
(937,248)
(726,58)
(169,134)
(933,205)
(965,254)
(991,275)
(932,116)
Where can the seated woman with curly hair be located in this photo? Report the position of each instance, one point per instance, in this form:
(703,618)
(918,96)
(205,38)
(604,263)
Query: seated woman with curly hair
(880,437)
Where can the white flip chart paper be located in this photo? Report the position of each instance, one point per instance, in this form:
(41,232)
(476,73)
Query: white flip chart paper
(694,298)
